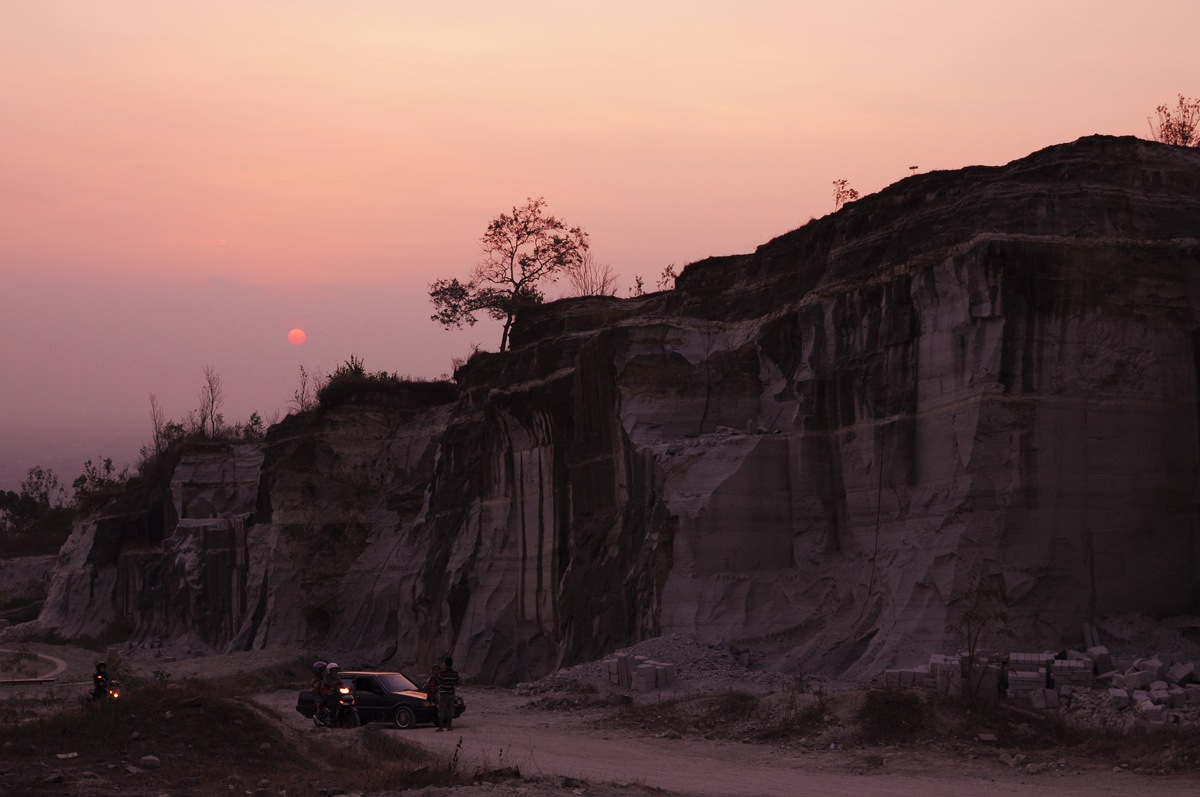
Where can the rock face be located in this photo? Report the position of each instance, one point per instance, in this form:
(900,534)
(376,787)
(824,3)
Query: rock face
(980,377)
(25,577)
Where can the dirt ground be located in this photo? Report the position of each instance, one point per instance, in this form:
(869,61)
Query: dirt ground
(586,749)
(499,730)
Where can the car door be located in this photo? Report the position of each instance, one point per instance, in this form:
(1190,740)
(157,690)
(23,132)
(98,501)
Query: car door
(368,696)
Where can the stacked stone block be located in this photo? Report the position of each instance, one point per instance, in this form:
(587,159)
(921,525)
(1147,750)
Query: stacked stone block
(1073,672)
(638,672)
(1153,690)
(1023,683)
(941,672)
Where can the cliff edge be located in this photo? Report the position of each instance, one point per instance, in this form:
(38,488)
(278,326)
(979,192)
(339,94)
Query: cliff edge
(983,376)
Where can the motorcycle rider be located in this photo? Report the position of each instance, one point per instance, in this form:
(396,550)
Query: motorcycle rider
(318,669)
(318,677)
(330,684)
(100,681)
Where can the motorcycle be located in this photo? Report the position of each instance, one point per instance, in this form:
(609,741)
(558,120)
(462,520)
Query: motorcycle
(342,715)
(104,689)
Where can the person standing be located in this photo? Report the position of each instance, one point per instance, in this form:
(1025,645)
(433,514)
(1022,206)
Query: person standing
(447,680)
(431,693)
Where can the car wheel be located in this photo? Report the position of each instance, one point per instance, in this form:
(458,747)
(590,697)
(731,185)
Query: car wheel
(404,717)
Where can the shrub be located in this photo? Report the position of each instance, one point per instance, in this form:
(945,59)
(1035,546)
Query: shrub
(351,383)
(891,715)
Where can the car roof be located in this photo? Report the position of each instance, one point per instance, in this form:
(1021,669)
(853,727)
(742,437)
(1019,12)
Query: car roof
(351,673)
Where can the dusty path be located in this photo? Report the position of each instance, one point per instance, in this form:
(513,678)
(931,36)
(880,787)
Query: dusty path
(57,665)
(497,732)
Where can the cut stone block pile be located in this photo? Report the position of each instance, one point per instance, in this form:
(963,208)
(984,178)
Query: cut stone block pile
(638,672)
(1151,691)
(943,673)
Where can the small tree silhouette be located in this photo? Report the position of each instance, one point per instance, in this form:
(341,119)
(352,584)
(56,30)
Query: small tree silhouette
(842,193)
(984,615)
(1177,126)
(666,280)
(592,278)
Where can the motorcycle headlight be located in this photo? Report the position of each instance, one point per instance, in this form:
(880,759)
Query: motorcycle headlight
(345,690)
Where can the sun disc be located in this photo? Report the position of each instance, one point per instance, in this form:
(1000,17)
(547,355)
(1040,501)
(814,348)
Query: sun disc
(296,337)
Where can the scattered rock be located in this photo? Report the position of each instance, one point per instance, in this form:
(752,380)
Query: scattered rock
(149,762)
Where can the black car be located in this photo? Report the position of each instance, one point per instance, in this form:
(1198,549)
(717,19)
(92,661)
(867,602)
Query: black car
(384,697)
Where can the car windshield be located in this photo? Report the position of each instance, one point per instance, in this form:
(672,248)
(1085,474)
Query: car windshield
(395,682)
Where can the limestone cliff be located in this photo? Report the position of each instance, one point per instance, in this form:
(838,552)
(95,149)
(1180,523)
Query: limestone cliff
(987,375)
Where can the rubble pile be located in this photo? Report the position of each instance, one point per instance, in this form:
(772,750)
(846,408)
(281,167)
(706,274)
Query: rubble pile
(1087,688)
(698,666)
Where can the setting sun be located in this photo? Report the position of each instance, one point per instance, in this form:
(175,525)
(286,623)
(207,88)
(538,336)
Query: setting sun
(297,337)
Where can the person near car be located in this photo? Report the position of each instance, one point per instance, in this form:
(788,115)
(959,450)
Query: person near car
(330,683)
(318,670)
(447,680)
(431,691)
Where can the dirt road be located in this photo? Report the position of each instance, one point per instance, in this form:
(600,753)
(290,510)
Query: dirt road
(497,732)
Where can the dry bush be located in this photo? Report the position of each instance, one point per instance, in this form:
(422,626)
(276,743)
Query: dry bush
(713,715)
(793,722)
(1163,753)
(730,706)
(573,695)
(893,716)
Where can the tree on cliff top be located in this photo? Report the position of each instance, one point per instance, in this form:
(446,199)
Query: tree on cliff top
(519,251)
(843,193)
(1179,125)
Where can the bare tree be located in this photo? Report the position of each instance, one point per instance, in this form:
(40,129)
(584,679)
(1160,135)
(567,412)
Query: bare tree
(1180,126)
(666,280)
(842,193)
(305,396)
(519,251)
(212,399)
(159,419)
(983,613)
(592,278)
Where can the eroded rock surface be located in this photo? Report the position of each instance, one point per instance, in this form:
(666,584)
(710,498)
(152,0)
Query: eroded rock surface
(980,376)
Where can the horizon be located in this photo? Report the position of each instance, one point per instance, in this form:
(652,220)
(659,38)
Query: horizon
(182,185)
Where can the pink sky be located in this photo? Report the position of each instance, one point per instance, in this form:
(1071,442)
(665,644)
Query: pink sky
(181,183)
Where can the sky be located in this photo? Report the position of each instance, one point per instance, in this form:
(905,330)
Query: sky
(182,183)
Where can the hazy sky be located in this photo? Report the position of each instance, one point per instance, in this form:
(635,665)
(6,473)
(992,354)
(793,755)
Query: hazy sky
(181,183)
